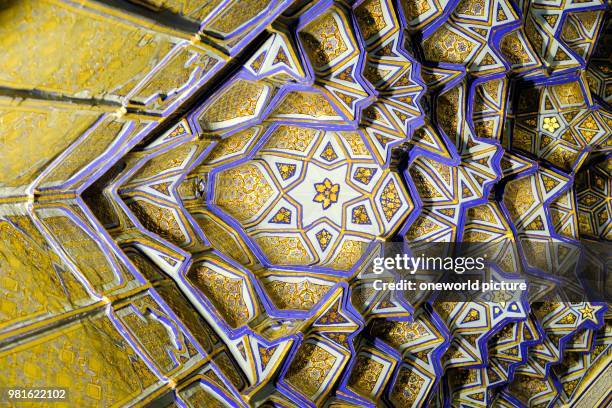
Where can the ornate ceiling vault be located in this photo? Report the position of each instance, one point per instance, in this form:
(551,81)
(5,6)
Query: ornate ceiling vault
(192,194)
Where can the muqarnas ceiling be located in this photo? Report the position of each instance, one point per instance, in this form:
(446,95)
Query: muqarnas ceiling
(192,193)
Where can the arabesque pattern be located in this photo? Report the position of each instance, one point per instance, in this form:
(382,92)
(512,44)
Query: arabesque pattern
(192,194)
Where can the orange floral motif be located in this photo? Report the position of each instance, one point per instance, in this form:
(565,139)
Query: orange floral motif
(327,193)
(550,124)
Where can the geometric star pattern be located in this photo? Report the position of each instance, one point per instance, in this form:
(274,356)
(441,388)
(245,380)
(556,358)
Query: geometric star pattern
(192,195)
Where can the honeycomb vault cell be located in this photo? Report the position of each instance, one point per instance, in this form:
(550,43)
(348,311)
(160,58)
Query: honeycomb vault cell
(288,204)
(192,194)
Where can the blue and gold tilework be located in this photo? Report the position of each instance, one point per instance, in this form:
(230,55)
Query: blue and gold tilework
(192,192)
